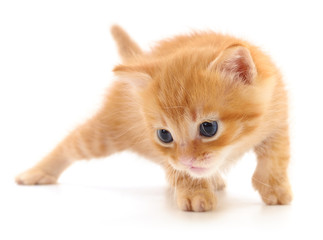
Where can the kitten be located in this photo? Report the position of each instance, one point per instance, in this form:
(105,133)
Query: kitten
(194,105)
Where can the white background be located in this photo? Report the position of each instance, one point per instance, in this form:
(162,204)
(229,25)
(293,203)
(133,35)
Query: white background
(56,59)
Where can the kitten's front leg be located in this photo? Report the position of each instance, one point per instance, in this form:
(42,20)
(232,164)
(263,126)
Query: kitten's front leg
(195,195)
(270,177)
(87,141)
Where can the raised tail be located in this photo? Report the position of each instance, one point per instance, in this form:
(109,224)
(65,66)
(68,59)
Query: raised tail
(126,46)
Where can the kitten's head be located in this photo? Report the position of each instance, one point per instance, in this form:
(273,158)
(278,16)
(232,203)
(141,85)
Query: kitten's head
(199,104)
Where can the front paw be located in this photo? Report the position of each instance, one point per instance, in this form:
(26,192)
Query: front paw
(196,201)
(272,191)
(35,176)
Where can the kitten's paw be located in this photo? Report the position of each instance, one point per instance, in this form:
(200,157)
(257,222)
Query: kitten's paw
(35,176)
(197,201)
(273,192)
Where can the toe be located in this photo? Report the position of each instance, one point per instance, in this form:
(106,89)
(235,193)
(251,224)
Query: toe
(35,176)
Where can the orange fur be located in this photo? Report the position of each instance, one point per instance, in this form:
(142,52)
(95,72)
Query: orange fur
(181,83)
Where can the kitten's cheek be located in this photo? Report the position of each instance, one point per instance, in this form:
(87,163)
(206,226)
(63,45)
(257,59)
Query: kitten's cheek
(176,165)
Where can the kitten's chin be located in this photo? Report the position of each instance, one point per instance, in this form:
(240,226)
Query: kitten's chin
(200,172)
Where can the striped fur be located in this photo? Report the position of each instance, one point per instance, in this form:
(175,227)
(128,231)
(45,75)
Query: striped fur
(181,83)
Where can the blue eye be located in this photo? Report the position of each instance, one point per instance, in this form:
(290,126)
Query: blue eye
(208,129)
(164,136)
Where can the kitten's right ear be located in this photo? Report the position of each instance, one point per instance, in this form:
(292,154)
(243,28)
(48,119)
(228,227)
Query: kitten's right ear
(136,77)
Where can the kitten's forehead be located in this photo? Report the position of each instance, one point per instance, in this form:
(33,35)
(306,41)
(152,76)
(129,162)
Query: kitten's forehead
(181,88)
(180,114)
(193,112)
(185,97)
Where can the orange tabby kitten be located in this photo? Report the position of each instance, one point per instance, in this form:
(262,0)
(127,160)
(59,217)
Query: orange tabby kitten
(194,104)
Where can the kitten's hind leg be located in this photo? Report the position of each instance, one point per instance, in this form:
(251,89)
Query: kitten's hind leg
(270,177)
(87,141)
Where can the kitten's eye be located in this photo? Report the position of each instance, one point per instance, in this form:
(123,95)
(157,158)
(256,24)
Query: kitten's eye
(164,136)
(208,129)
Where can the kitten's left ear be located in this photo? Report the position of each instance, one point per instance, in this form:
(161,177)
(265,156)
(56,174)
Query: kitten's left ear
(235,63)
(135,76)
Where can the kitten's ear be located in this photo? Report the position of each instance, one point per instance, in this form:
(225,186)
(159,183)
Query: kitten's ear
(235,63)
(135,76)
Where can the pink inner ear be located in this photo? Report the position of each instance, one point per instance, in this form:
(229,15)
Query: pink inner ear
(238,64)
(241,69)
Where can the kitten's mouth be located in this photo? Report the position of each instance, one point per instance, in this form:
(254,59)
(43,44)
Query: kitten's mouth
(194,171)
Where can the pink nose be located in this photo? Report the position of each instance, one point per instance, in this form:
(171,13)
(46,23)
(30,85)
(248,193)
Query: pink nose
(187,161)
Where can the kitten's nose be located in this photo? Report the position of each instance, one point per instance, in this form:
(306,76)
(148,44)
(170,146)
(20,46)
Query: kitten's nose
(187,161)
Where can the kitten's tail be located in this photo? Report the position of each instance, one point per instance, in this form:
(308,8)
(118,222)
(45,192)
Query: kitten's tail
(126,46)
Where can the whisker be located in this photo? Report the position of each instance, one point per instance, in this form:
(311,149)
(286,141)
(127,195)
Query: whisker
(258,181)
